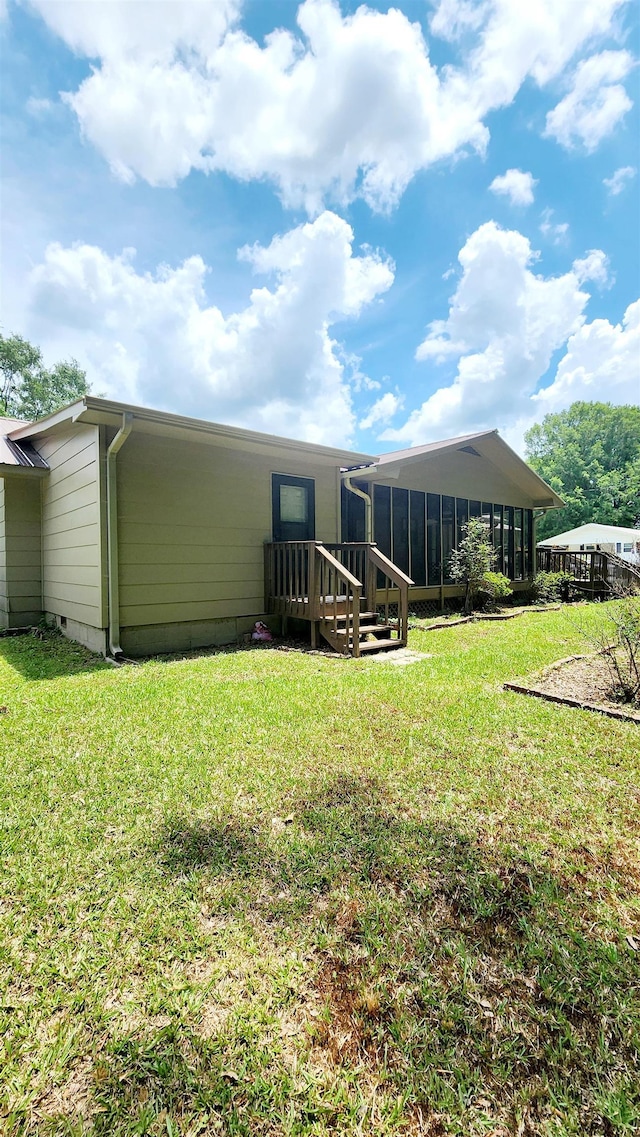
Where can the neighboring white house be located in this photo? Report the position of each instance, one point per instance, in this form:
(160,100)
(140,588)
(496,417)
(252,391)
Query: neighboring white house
(593,537)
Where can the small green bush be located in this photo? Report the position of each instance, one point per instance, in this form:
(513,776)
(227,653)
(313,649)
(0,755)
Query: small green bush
(494,587)
(498,585)
(549,587)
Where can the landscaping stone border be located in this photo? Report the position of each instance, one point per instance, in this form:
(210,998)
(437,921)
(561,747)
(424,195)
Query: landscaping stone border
(482,616)
(567,700)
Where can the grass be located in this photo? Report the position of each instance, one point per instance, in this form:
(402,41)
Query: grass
(273,893)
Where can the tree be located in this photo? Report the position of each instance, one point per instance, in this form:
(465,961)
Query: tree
(590,455)
(28,390)
(472,560)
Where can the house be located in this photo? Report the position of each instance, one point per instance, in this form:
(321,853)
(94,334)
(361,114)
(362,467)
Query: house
(594,537)
(137,531)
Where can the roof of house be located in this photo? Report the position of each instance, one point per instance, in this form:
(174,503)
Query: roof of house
(486,444)
(21,454)
(431,447)
(105,412)
(593,533)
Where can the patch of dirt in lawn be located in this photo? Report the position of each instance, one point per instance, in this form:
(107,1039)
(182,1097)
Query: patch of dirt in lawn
(584,679)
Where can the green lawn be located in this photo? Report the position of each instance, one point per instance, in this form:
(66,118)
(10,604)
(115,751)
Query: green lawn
(264,892)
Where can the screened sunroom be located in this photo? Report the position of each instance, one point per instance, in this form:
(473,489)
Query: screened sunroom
(421,499)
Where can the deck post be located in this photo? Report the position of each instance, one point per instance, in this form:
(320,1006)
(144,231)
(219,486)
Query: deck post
(356,621)
(403,615)
(370,585)
(311,580)
(312,592)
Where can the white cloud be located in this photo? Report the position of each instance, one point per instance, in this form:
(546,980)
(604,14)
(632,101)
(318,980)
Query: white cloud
(554,231)
(38,107)
(595,267)
(152,30)
(595,104)
(349,106)
(516,185)
(617,182)
(154,338)
(382,410)
(504,324)
(602,362)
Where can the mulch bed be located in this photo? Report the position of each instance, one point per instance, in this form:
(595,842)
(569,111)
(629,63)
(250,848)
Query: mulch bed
(582,681)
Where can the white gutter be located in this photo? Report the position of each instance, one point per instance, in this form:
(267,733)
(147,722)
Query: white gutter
(368,509)
(112,534)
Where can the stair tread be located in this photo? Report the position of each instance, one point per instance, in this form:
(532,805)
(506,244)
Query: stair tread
(366,629)
(380,645)
(341,616)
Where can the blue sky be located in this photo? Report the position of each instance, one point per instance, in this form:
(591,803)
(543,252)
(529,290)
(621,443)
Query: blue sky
(287,217)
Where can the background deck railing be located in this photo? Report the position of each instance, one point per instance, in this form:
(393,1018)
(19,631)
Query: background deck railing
(595,570)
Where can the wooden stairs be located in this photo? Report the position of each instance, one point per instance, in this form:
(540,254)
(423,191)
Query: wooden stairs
(333,587)
(372,634)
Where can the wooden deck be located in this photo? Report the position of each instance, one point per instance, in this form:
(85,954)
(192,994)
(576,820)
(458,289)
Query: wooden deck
(334,587)
(595,573)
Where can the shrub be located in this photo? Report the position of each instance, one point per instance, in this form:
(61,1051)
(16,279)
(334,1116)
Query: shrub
(495,586)
(623,655)
(549,587)
(617,638)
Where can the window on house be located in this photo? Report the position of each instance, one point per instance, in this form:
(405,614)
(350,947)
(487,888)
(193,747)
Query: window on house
(417,537)
(400,553)
(434,560)
(448,533)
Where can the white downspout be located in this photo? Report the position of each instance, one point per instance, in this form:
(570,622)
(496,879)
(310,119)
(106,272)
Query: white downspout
(368,510)
(112,534)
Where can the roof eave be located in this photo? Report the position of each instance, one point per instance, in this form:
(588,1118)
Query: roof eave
(91,409)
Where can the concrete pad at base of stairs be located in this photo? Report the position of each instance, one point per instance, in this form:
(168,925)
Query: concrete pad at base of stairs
(402,657)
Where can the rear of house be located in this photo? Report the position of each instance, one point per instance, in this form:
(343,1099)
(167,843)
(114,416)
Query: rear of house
(138,531)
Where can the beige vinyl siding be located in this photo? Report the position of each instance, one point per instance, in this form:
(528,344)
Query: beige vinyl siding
(460,475)
(20,560)
(193,520)
(71,526)
(4,599)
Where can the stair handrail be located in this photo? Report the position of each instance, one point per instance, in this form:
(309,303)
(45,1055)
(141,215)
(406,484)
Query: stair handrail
(626,566)
(402,581)
(352,602)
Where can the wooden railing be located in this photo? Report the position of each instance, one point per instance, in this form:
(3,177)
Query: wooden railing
(287,577)
(327,583)
(338,594)
(354,556)
(399,580)
(595,570)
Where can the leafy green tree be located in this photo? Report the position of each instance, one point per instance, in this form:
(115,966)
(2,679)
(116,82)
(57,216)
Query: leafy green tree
(589,454)
(29,390)
(472,560)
